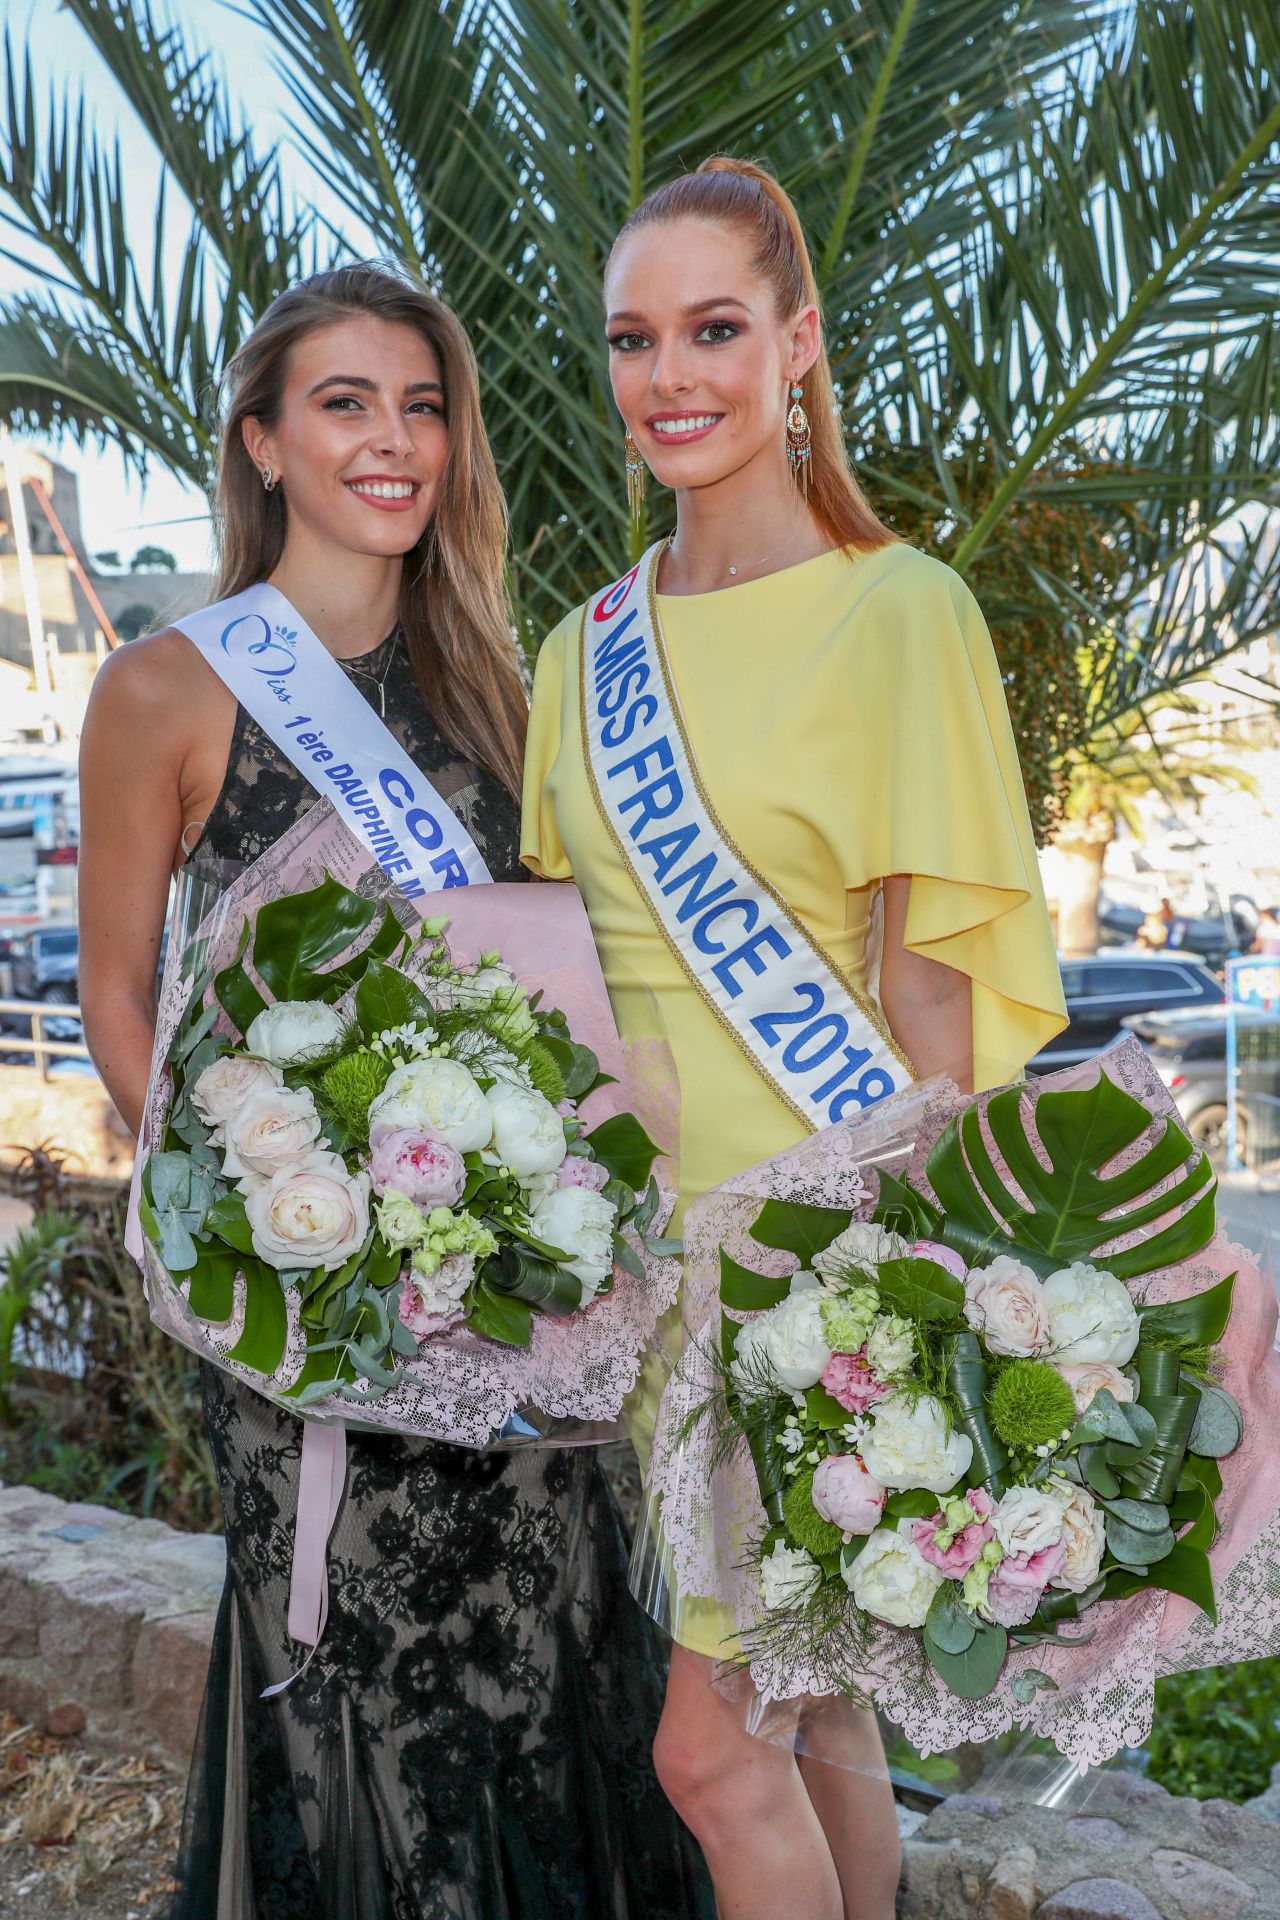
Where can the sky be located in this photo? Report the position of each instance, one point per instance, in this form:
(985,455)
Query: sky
(120,514)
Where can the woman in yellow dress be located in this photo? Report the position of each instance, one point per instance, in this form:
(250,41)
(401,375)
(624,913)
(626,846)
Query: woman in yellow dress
(839,694)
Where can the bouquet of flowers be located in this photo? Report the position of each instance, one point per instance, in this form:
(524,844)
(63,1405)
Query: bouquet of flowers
(988,1423)
(391,1184)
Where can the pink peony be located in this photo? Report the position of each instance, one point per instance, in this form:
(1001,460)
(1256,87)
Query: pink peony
(845,1494)
(850,1380)
(968,1543)
(1018,1584)
(941,1256)
(577,1171)
(427,1171)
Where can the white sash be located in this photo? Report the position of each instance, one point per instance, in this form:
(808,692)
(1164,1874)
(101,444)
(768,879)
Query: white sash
(824,1051)
(260,646)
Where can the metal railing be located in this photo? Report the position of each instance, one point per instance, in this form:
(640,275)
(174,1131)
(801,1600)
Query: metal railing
(39,1013)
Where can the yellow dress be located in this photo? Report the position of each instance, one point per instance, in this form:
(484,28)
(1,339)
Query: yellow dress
(849,721)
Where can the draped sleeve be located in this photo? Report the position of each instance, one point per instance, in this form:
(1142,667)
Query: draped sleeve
(541,847)
(942,800)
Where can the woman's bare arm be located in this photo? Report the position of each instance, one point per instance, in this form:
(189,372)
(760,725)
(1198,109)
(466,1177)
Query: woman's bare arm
(929,1006)
(131,768)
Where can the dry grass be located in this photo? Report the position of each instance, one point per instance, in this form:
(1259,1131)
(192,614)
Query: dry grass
(73,1819)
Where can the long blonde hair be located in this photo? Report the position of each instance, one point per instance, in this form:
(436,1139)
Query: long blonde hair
(744,196)
(453,612)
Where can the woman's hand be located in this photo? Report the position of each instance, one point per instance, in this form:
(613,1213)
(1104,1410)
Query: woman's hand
(929,1006)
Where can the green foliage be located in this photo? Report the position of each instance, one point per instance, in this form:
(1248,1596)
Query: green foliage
(348,1088)
(1032,1404)
(1217,1732)
(543,1071)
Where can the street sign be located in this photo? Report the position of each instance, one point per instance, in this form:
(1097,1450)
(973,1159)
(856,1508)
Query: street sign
(1254,981)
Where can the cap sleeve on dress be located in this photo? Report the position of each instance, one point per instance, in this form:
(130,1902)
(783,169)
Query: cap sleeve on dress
(945,804)
(541,848)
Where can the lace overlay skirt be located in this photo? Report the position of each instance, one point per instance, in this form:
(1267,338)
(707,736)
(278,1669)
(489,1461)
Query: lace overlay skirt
(472,1739)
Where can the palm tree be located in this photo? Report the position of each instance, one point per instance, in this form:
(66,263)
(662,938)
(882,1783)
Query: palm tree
(1045,232)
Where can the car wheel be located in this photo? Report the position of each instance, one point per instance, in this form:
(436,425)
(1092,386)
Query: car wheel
(1209,1130)
(58,994)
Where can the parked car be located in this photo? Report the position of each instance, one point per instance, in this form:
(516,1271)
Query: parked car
(1103,992)
(1209,937)
(42,963)
(1189,1050)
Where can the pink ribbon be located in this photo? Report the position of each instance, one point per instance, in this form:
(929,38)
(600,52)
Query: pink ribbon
(321,1484)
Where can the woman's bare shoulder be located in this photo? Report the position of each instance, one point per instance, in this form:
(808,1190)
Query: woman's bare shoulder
(158,674)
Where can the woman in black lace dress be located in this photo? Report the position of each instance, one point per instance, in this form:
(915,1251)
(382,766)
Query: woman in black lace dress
(471,1739)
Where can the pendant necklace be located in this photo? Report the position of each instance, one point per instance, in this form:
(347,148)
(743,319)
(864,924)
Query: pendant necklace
(381,682)
(760,561)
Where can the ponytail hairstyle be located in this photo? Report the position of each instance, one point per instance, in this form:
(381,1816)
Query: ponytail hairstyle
(741,195)
(453,611)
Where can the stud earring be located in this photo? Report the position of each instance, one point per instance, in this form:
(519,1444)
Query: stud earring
(635,471)
(268,479)
(799,441)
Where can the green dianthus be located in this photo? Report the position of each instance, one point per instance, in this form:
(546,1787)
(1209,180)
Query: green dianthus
(348,1089)
(805,1524)
(543,1071)
(1032,1404)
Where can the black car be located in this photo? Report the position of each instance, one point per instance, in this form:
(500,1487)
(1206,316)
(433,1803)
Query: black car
(1103,993)
(1190,1054)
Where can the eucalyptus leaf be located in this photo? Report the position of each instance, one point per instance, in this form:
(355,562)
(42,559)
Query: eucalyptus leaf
(1104,1419)
(1142,1515)
(1135,1548)
(626,1257)
(1218,1424)
(1032,1680)
(949,1624)
(177,1248)
(1098,1475)
(973,1673)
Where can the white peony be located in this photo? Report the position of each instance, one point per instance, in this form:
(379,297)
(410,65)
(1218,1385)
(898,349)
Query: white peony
(891,1578)
(438,1097)
(1004,1302)
(860,1248)
(581,1223)
(269,1130)
(294,1030)
(1085,1381)
(528,1133)
(1091,1316)
(790,1341)
(891,1346)
(788,1575)
(224,1086)
(1083,1535)
(908,1444)
(312,1213)
(1028,1519)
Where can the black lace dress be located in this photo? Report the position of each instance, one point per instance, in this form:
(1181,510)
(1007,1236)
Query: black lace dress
(472,1738)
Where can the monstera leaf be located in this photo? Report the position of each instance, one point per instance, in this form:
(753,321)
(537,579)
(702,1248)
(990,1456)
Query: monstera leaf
(1072,1208)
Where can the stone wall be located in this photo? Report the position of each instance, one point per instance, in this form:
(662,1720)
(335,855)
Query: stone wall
(105,1621)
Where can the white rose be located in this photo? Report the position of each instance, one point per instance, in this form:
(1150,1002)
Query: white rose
(1085,1381)
(908,1444)
(1027,1520)
(861,1247)
(581,1223)
(1005,1303)
(1091,1316)
(788,1575)
(269,1130)
(438,1097)
(312,1213)
(528,1133)
(294,1030)
(891,1345)
(224,1086)
(792,1344)
(1083,1535)
(891,1578)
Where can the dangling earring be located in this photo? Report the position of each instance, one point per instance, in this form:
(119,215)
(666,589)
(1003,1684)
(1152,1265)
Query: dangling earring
(635,470)
(799,441)
(268,478)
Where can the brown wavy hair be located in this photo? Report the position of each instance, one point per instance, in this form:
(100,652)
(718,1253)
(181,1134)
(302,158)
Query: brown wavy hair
(746,197)
(454,611)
